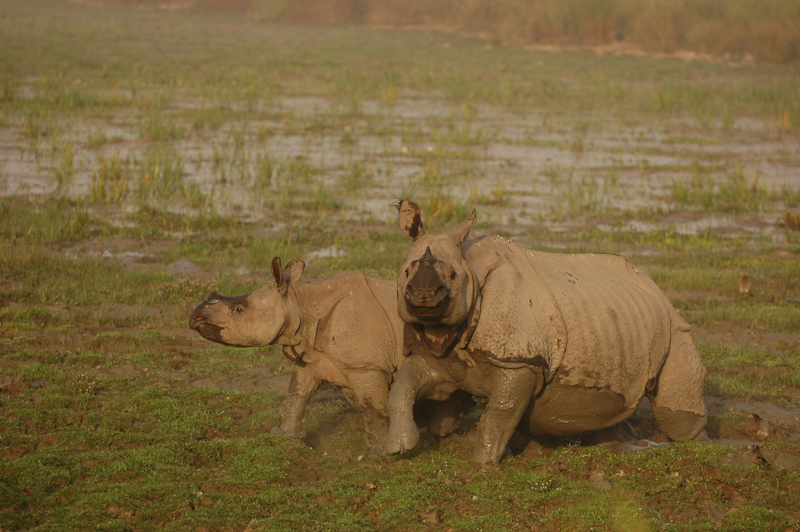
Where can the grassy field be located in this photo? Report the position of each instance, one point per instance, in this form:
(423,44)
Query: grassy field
(148,158)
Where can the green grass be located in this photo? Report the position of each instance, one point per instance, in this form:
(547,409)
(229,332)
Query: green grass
(56,221)
(763,373)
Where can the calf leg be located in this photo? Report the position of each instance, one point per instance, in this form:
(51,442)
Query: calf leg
(511,391)
(301,388)
(677,399)
(370,395)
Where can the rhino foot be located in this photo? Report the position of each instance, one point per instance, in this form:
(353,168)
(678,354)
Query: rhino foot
(400,443)
(289,432)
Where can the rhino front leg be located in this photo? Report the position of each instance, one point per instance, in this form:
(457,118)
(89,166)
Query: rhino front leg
(511,392)
(301,388)
(410,383)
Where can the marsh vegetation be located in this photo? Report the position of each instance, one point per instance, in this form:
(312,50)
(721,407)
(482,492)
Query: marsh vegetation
(147,158)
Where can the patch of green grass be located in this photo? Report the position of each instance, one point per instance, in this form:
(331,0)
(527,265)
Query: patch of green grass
(160,129)
(379,255)
(65,168)
(45,277)
(738,192)
(51,221)
(441,209)
(738,371)
(755,316)
(110,180)
(31,315)
(161,176)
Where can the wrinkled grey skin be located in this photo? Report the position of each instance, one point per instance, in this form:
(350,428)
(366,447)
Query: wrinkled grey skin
(556,344)
(343,330)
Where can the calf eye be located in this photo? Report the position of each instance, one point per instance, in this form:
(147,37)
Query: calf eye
(406,272)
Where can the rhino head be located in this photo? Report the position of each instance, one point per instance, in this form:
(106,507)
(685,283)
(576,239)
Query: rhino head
(255,319)
(436,287)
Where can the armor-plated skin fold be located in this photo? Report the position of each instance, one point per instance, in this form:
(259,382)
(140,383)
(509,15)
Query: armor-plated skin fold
(557,344)
(343,330)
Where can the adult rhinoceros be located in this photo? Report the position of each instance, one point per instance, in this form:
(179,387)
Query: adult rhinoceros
(558,344)
(343,330)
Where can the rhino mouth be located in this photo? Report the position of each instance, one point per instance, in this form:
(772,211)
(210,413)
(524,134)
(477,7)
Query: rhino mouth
(207,330)
(427,305)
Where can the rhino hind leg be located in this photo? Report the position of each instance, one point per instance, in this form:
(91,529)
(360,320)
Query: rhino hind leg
(677,399)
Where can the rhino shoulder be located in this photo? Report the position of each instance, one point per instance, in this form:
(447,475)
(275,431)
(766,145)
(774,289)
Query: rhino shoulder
(520,321)
(353,328)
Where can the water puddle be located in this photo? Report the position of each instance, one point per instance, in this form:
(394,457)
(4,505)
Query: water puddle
(309,151)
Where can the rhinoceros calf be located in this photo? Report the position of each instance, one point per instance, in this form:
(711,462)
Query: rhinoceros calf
(558,344)
(343,330)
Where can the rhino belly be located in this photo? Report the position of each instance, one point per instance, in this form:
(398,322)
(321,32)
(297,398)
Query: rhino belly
(569,410)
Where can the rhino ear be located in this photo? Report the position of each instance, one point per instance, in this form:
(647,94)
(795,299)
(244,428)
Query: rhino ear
(290,274)
(409,218)
(276,270)
(293,271)
(460,232)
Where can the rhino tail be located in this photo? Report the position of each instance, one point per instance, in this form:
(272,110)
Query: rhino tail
(679,324)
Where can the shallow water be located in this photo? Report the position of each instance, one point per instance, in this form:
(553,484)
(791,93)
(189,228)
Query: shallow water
(558,174)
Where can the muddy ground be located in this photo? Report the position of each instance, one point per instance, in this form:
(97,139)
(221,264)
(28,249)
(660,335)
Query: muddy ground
(735,423)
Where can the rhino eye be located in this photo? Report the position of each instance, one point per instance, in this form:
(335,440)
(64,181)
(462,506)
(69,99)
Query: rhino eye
(406,272)
(239,309)
(452,275)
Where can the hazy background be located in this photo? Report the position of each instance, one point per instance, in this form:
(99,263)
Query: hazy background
(742,30)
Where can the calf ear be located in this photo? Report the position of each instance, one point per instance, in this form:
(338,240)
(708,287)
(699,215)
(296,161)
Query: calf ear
(460,232)
(276,270)
(290,274)
(293,271)
(409,218)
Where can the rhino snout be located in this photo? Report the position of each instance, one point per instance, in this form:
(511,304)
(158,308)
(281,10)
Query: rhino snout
(427,305)
(204,327)
(195,321)
(426,298)
(199,316)
(426,294)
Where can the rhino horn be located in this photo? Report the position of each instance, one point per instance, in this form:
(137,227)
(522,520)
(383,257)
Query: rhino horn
(425,291)
(428,259)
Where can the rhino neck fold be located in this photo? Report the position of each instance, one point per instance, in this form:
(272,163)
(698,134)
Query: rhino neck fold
(294,331)
(439,341)
(308,304)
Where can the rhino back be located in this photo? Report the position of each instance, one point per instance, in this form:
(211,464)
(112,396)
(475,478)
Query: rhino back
(589,319)
(356,331)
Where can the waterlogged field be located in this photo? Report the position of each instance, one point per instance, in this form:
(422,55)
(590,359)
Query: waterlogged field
(148,158)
